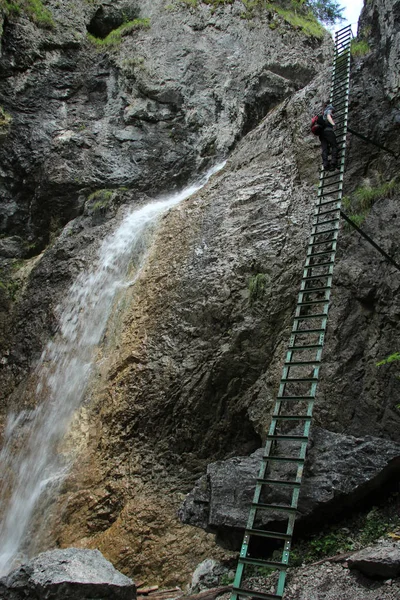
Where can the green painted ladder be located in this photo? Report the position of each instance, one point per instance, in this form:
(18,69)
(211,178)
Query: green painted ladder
(281,469)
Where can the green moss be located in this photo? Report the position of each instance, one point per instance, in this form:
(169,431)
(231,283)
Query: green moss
(33,9)
(5,119)
(115,37)
(100,200)
(257,285)
(359,48)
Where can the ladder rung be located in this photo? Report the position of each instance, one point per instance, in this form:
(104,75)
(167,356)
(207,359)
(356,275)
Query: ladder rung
(326,176)
(330,213)
(293,484)
(324,184)
(340,73)
(253,594)
(298,363)
(330,201)
(326,193)
(293,418)
(289,459)
(307,331)
(335,219)
(342,35)
(323,232)
(338,90)
(322,265)
(333,239)
(296,398)
(274,535)
(325,264)
(309,317)
(316,290)
(263,563)
(298,379)
(311,277)
(325,252)
(310,302)
(277,507)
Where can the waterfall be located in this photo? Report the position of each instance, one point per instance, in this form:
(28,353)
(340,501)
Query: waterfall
(32,465)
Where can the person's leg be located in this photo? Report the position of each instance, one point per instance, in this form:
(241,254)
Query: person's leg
(330,136)
(324,148)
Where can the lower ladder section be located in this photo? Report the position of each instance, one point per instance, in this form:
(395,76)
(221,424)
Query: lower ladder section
(268,535)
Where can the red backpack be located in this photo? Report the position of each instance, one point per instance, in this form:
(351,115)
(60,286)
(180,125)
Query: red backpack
(317,124)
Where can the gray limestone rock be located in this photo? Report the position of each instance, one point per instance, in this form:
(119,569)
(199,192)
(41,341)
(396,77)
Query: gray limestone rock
(71,574)
(207,575)
(380,560)
(340,470)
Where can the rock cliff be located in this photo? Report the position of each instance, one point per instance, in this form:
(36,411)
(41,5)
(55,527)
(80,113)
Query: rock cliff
(190,363)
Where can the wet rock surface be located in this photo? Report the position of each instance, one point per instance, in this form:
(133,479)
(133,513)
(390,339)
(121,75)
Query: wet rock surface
(147,114)
(70,574)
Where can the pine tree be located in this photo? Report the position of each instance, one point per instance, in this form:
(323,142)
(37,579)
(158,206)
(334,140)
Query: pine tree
(327,11)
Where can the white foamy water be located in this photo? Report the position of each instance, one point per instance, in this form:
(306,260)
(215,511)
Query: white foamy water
(31,463)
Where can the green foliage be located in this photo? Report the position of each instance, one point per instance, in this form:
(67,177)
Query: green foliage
(359,48)
(114,38)
(327,11)
(226,579)
(307,22)
(389,359)
(34,9)
(376,524)
(5,119)
(301,14)
(257,285)
(100,200)
(10,286)
(354,533)
(361,201)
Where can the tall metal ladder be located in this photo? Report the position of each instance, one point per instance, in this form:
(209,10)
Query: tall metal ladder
(282,465)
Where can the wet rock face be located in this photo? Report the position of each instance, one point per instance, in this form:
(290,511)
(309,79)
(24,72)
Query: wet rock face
(145,114)
(69,574)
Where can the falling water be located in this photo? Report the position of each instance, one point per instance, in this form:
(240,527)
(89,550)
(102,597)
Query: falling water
(31,463)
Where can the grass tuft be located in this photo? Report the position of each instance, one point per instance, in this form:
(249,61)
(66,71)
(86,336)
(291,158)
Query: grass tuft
(115,37)
(33,9)
(359,48)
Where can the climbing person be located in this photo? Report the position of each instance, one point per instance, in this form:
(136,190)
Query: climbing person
(328,139)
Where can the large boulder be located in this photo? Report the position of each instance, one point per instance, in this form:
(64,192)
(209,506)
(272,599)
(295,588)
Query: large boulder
(340,470)
(71,574)
(381,560)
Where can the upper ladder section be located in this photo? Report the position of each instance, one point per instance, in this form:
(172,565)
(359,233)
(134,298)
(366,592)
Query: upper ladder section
(278,484)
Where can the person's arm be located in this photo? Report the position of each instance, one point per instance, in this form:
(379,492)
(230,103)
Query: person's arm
(330,119)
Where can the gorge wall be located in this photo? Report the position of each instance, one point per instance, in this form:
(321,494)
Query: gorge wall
(190,362)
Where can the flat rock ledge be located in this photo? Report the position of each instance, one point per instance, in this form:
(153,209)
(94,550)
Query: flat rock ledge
(70,574)
(377,561)
(341,470)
